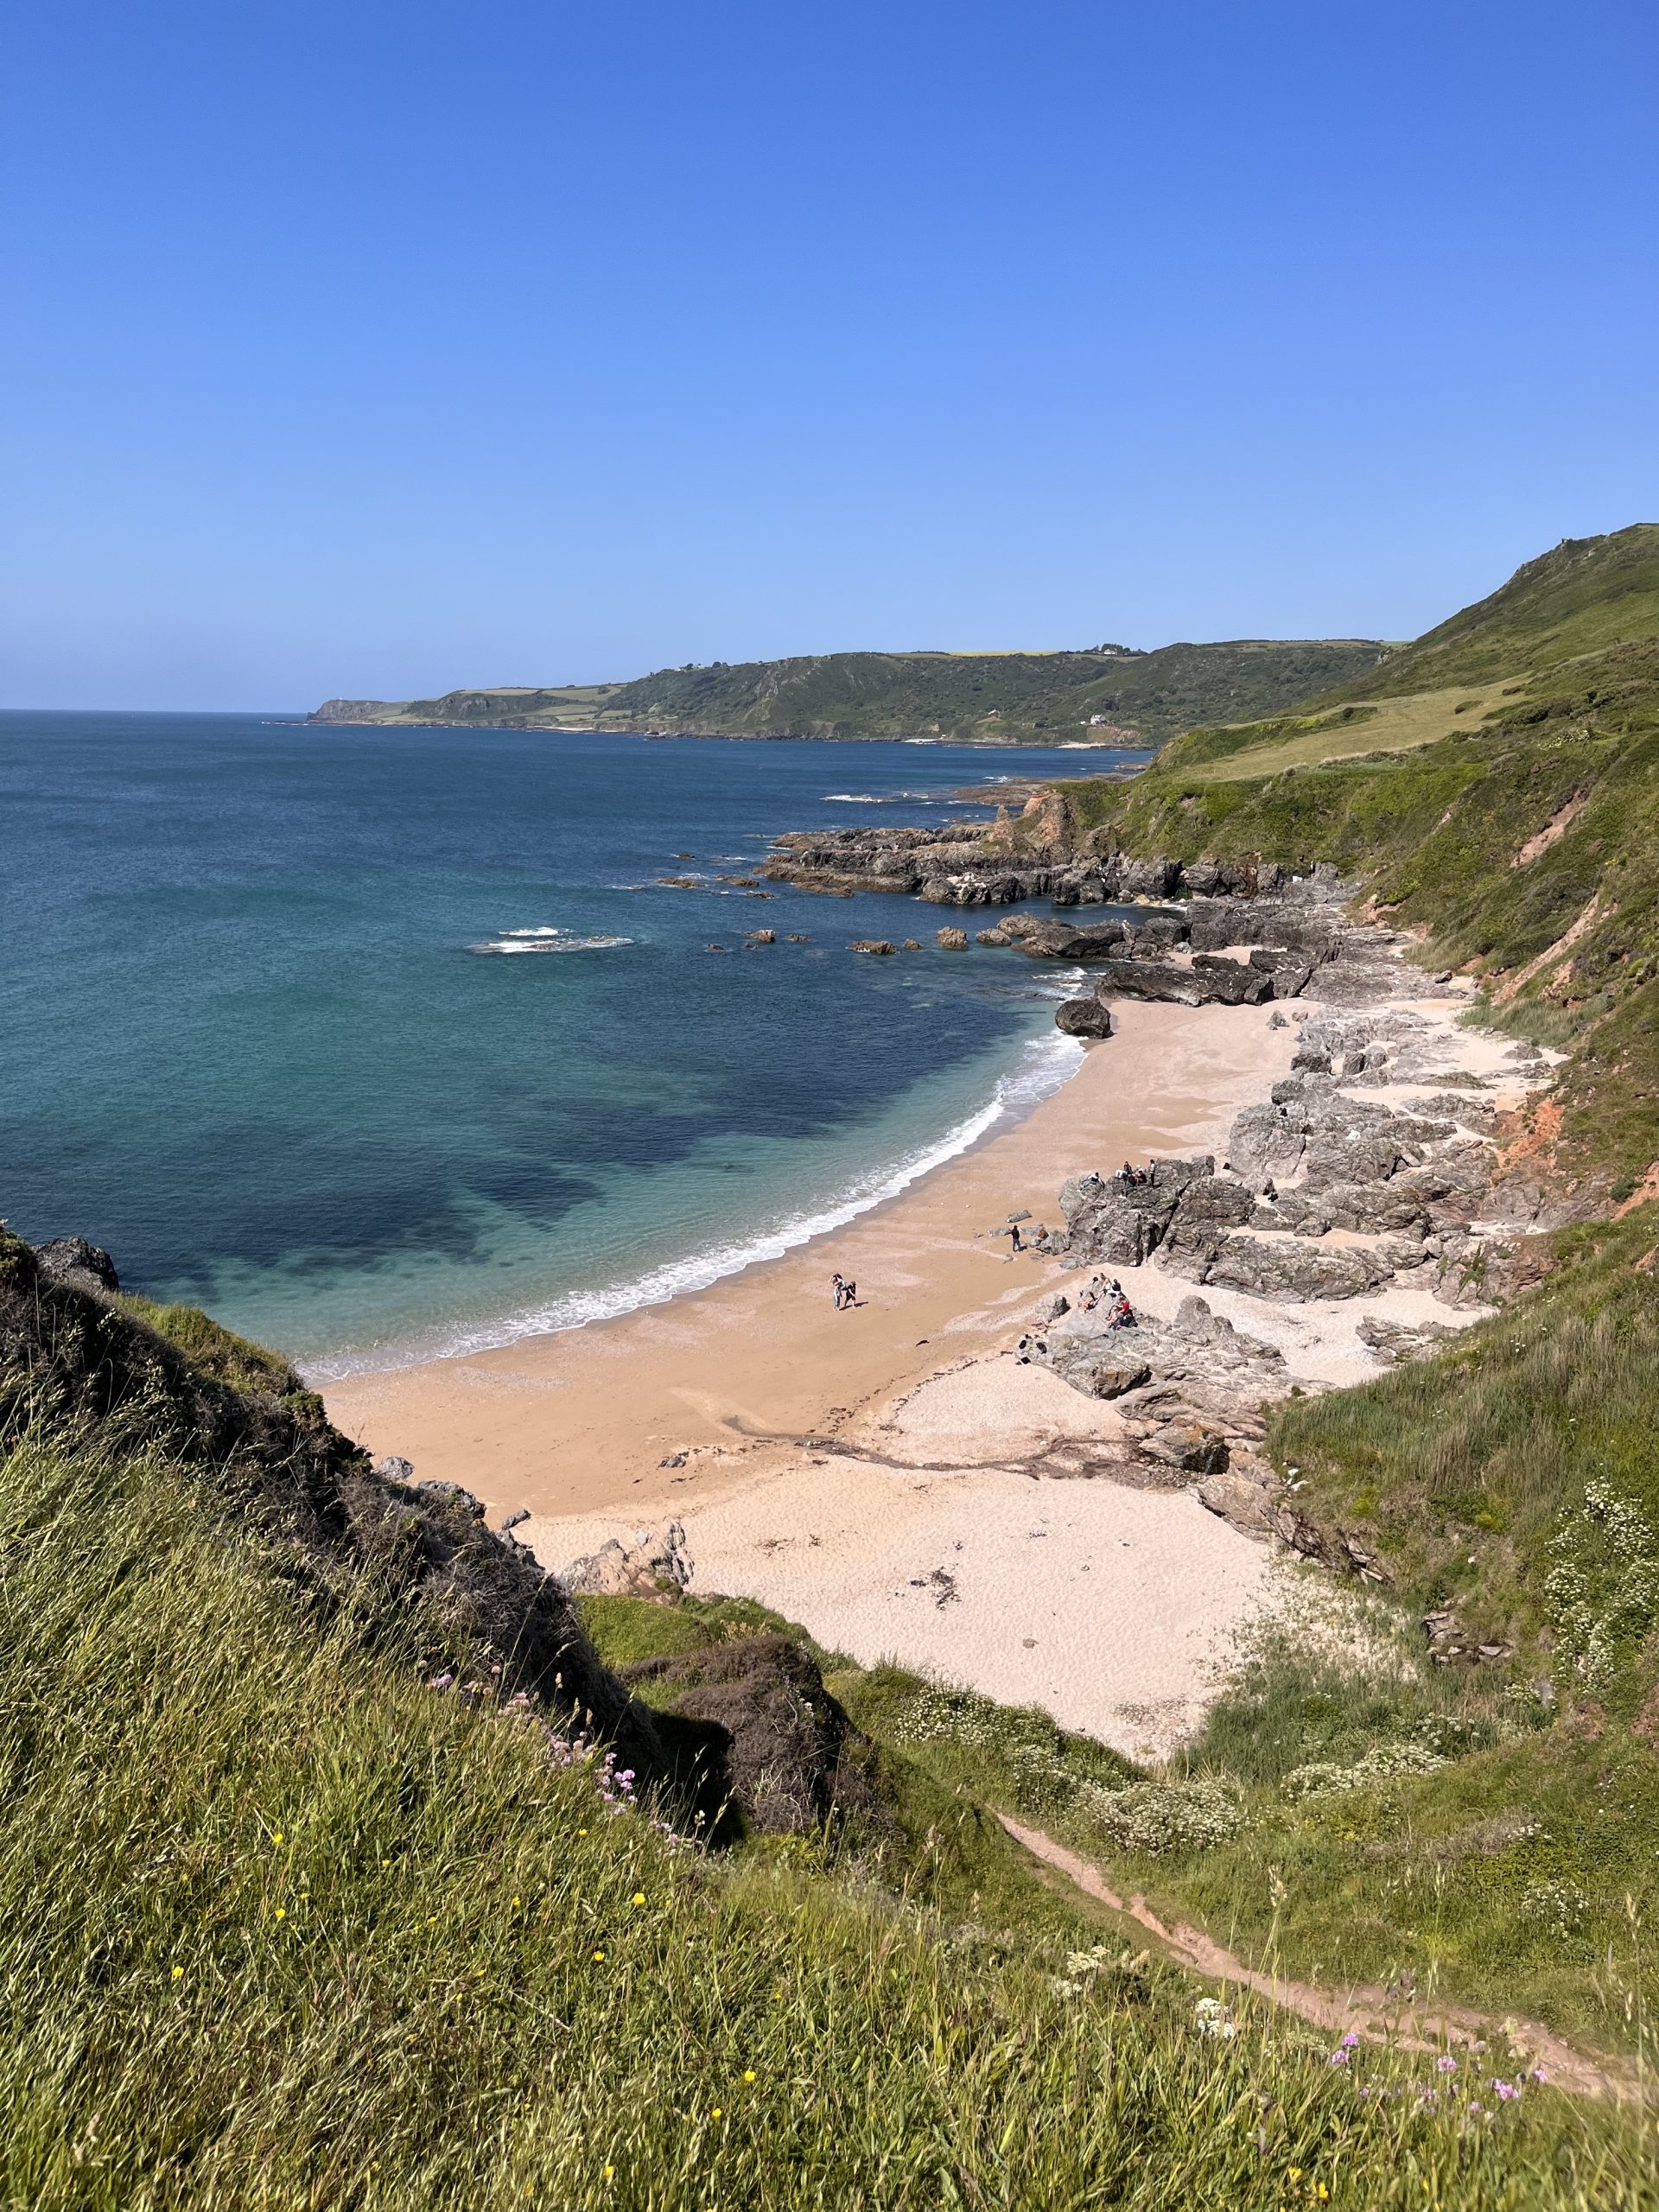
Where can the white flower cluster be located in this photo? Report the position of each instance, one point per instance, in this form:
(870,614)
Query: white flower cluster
(1603,1593)
(1161,1816)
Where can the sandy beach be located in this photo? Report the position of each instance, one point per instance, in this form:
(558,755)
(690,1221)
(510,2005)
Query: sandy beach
(891,1477)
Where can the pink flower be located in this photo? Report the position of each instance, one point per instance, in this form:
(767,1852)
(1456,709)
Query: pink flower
(1445,2066)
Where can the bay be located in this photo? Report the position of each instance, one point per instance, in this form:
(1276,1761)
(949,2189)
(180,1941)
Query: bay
(252,1046)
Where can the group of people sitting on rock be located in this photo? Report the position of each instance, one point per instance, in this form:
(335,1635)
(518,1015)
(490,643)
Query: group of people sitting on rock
(1133,1178)
(1120,1314)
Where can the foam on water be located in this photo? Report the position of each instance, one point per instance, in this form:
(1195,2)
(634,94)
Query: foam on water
(550,940)
(1045,1064)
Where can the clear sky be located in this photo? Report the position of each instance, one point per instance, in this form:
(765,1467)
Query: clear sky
(373,346)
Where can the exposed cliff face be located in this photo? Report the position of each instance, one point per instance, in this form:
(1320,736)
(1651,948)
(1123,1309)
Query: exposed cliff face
(74,1359)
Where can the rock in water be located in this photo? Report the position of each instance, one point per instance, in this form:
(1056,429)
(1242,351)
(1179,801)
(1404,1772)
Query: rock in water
(871,944)
(951,940)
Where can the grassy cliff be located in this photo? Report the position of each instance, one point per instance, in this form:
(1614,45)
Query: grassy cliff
(1008,698)
(1514,825)
(304,1907)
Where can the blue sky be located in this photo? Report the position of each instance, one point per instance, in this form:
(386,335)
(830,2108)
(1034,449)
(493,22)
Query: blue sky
(370,349)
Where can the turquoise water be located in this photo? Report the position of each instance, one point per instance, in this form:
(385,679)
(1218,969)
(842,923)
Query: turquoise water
(252,1046)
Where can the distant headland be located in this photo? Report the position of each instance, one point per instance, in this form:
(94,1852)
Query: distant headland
(1104,695)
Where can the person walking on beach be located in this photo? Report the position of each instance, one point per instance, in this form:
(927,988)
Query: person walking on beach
(838,1290)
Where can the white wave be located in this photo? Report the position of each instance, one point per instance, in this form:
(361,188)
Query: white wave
(1044,1065)
(544,940)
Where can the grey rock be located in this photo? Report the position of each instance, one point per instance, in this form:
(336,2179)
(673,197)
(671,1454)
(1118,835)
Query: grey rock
(1291,1270)
(1207,1209)
(71,1260)
(1083,1018)
(951,939)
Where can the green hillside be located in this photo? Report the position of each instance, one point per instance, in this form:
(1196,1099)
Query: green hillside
(313,1902)
(1584,595)
(1515,823)
(1008,698)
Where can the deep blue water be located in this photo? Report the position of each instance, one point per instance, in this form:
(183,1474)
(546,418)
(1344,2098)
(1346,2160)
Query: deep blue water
(245,1046)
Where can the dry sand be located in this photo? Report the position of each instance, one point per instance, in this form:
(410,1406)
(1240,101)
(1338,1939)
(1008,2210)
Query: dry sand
(836,1464)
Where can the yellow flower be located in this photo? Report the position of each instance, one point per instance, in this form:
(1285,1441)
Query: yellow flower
(385,1862)
(639,1896)
(610,2173)
(1295,2173)
(277,1837)
(1324,2193)
(178,1974)
(599,1955)
(717,2112)
(582,1831)
(749,2075)
(516,1900)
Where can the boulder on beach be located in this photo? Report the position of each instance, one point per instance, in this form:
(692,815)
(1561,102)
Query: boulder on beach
(1084,1018)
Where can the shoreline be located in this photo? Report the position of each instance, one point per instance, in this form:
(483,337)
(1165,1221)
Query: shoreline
(1017,1092)
(835,1465)
(920,1257)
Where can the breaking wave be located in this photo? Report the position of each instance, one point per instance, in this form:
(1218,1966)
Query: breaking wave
(550,940)
(1045,1064)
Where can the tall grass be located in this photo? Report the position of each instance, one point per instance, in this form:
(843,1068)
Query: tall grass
(281,1924)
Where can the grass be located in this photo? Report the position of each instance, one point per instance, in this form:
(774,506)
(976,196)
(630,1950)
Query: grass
(1396,725)
(1514,1481)
(285,1925)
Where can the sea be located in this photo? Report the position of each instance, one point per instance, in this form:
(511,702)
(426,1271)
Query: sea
(382,1043)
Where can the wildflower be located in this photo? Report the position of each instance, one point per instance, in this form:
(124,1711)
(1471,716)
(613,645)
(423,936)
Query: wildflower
(718,2113)
(282,1912)
(1507,2089)
(1295,2173)
(1447,2065)
(1539,2075)
(1350,2041)
(517,1900)
(1341,2054)
(749,2074)
(599,1955)
(610,2173)
(440,1683)
(1324,2194)
(178,1975)
(639,1896)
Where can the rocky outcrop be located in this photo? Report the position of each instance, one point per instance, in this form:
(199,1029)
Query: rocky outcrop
(72,1260)
(966,865)
(949,940)
(1116,1223)
(790,1759)
(647,1567)
(1217,982)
